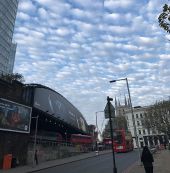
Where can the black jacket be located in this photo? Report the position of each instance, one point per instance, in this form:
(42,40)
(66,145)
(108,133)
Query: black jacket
(147,158)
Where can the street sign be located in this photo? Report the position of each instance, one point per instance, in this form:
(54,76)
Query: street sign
(112,111)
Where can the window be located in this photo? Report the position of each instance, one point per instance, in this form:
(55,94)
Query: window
(141,115)
(149,131)
(136,115)
(144,132)
(138,123)
(139,132)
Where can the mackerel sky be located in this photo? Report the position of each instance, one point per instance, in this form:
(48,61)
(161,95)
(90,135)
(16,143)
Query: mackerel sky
(77,46)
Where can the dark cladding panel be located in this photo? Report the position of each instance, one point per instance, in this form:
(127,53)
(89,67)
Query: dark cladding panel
(53,103)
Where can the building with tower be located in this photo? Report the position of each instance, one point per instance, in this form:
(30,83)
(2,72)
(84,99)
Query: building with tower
(145,136)
(8,11)
(121,108)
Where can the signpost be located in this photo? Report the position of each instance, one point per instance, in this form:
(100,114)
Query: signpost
(110,113)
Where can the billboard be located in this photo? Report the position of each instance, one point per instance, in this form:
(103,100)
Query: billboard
(58,106)
(14,116)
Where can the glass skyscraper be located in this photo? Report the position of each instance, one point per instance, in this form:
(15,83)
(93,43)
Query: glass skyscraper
(8,11)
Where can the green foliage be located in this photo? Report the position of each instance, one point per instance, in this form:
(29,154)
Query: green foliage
(12,77)
(157,117)
(164,18)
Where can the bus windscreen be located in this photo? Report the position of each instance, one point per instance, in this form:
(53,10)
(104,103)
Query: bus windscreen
(117,137)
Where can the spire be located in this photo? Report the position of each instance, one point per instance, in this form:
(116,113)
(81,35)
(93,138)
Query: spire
(125,101)
(119,102)
(115,102)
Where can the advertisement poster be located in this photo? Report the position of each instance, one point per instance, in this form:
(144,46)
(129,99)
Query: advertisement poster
(58,106)
(14,116)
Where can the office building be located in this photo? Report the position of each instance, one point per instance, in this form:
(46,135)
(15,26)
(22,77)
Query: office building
(8,11)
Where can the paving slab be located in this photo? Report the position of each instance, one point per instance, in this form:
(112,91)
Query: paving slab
(161,163)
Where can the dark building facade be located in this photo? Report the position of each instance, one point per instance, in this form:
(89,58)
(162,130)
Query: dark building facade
(10,142)
(56,115)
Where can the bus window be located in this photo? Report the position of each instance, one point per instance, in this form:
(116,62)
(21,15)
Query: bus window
(117,137)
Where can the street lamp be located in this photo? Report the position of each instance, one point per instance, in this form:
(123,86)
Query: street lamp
(111,133)
(97,128)
(66,137)
(133,118)
(35,136)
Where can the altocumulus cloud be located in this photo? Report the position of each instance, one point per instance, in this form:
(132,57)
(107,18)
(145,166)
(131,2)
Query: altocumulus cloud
(76,47)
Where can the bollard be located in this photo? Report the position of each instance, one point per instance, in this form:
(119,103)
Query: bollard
(169,146)
(97,153)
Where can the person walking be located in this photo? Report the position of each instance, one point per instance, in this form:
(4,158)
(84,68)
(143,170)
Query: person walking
(36,157)
(147,160)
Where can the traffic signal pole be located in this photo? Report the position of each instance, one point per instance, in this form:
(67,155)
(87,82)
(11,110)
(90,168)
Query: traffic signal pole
(111,134)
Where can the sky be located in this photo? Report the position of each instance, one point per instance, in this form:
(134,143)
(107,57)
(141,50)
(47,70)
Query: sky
(77,46)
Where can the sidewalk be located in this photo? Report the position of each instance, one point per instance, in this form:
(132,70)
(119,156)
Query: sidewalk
(161,163)
(53,163)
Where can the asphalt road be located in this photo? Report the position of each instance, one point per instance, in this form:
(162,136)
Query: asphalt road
(99,164)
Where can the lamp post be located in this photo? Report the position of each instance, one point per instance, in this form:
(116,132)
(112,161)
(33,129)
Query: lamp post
(111,133)
(133,118)
(97,128)
(66,137)
(35,136)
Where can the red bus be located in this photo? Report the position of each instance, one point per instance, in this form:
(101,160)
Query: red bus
(122,140)
(83,142)
(81,139)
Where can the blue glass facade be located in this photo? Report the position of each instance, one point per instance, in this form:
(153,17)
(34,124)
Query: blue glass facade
(8,11)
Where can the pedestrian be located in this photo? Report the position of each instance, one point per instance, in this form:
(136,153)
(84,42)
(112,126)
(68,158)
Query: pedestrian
(147,160)
(36,157)
(165,145)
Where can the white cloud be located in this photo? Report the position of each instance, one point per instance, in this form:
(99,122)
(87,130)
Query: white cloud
(43,13)
(23,16)
(146,41)
(26,6)
(114,4)
(76,47)
(164,56)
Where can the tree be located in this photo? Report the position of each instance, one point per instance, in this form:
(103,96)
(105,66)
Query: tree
(12,77)
(118,123)
(157,117)
(164,18)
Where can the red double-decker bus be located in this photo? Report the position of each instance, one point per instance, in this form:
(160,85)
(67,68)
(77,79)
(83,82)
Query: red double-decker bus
(80,139)
(83,142)
(122,140)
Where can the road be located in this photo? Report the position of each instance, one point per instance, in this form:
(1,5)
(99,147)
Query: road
(99,164)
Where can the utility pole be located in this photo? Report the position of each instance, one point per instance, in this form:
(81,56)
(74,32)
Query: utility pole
(97,130)
(35,137)
(133,117)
